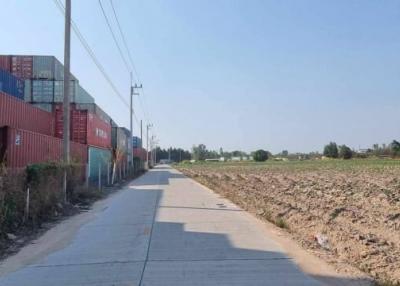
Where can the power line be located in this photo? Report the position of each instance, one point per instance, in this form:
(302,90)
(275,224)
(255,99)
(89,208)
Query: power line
(125,44)
(114,38)
(93,57)
(143,105)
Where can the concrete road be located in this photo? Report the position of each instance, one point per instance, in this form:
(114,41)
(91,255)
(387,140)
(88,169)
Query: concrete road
(164,229)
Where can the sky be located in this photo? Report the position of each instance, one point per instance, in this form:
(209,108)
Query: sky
(241,75)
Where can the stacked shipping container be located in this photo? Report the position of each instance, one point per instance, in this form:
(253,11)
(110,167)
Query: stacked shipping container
(16,113)
(28,137)
(136,142)
(86,128)
(22,147)
(11,84)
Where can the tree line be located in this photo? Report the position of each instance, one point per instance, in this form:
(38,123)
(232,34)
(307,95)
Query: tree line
(331,150)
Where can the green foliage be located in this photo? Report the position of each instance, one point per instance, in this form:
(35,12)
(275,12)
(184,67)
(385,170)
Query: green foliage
(200,153)
(395,148)
(345,152)
(280,222)
(260,155)
(175,154)
(331,150)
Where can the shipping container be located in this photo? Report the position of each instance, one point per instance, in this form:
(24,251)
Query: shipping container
(94,109)
(48,67)
(22,66)
(11,85)
(136,142)
(59,90)
(119,139)
(5,63)
(43,106)
(42,91)
(52,91)
(86,128)
(140,153)
(99,161)
(82,96)
(19,114)
(21,148)
(28,90)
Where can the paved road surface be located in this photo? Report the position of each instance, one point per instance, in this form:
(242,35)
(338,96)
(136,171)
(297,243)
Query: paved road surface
(165,230)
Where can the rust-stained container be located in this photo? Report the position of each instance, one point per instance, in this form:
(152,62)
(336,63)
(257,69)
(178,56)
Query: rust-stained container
(20,148)
(86,128)
(19,114)
(22,66)
(5,63)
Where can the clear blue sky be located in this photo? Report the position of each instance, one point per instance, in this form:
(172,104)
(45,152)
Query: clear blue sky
(236,74)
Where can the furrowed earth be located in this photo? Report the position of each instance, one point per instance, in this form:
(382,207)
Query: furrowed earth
(347,212)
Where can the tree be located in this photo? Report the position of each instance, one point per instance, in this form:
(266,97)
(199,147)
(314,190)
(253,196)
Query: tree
(177,154)
(260,155)
(285,153)
(395,148)
(345,152)
(331,150)
(199,152)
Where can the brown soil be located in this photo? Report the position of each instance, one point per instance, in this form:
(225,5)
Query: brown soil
(356,211)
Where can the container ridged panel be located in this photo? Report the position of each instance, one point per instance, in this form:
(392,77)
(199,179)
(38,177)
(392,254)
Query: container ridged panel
(19,114)
(26,147)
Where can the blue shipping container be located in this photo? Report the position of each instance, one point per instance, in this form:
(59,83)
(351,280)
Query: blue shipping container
(99,160)
(136,142)
(11,85)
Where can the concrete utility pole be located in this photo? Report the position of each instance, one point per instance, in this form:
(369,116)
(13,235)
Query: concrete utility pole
(130,119)
(66,102)
(131,109)
(148,126)
(141,132)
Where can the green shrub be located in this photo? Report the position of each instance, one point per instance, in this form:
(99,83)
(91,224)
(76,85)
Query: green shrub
(260,155)
(331,150)
(345,152)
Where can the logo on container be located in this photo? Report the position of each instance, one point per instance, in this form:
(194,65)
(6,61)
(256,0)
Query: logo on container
(101,133)
(18,139)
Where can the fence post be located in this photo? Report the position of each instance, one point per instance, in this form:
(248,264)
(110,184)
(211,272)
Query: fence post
(27,204)
(99,177)
(108,173)
(87,173)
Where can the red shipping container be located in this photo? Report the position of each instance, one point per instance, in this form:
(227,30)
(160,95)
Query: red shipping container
(22,66)
(5,63)
(19,114)
(140,153)
(20,148)
(86,128)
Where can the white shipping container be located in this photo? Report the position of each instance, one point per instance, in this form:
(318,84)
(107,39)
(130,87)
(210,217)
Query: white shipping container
(59,90)
(48,67)
(42,91)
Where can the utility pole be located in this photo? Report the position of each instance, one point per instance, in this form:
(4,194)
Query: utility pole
(66,100)
(148,126)
(141,132)
(131,110)
(130,119)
